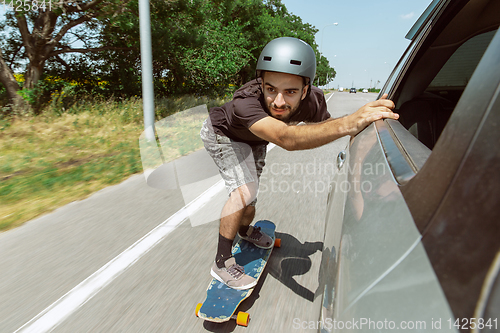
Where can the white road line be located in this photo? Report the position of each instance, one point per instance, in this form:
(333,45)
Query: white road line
(329,98)
(49,318)
(61,309)
(270,146)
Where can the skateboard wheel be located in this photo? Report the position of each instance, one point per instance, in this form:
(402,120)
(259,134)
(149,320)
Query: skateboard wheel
(242,319)
(197,309)
(277,242)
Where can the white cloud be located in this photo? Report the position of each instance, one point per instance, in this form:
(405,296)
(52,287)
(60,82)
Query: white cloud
(407,16)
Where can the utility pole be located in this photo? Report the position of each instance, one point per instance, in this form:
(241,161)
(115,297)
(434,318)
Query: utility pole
(322,33)
(147,70)
(321,46)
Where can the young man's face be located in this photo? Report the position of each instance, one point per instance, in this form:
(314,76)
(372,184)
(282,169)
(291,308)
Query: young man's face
(283,93)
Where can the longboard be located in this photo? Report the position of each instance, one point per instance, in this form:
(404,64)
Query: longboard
(221,302)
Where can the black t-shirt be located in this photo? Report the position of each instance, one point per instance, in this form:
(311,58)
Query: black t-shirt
(234,118)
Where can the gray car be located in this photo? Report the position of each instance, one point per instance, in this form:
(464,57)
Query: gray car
(412,242)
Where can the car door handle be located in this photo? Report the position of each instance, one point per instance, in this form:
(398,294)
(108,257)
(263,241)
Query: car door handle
(341,159)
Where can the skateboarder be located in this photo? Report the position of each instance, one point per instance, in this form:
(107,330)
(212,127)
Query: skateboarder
(266,110)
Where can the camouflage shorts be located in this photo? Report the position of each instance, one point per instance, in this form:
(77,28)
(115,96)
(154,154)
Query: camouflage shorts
(238,162)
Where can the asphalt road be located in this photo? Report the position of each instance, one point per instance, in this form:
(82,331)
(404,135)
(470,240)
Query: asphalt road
(57,271)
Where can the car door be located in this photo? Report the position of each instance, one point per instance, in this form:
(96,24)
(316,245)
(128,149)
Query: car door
(389,252)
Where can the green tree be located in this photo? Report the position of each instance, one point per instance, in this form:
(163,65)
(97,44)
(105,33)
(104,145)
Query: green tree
(207,46)
(270,19)
(214,66)
(175,29)
(199,46)
(324,73)
(49,32)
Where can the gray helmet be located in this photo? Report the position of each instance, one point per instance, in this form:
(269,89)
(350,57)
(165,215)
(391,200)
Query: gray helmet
(288,55)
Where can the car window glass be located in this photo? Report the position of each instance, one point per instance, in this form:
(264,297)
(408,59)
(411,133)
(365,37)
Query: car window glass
(406,59)
(397,71)
(459,68)
(426,115)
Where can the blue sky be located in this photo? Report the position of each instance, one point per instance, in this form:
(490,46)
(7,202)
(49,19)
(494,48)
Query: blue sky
(368,40)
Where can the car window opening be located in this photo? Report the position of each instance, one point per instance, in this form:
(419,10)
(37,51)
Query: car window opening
(426,115)
(433,87)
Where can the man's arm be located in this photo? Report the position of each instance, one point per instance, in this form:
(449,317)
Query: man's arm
(315,135)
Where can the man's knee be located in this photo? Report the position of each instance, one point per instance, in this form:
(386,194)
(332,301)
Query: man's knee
(249,210)
(245,194)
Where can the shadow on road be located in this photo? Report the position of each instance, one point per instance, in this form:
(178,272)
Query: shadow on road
(291,259)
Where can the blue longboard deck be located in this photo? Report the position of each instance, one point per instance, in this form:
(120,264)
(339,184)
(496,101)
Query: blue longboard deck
(222,301)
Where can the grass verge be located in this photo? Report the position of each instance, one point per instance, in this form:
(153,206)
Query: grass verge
(58,157)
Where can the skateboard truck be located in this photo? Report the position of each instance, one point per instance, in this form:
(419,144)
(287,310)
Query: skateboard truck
(242,318)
